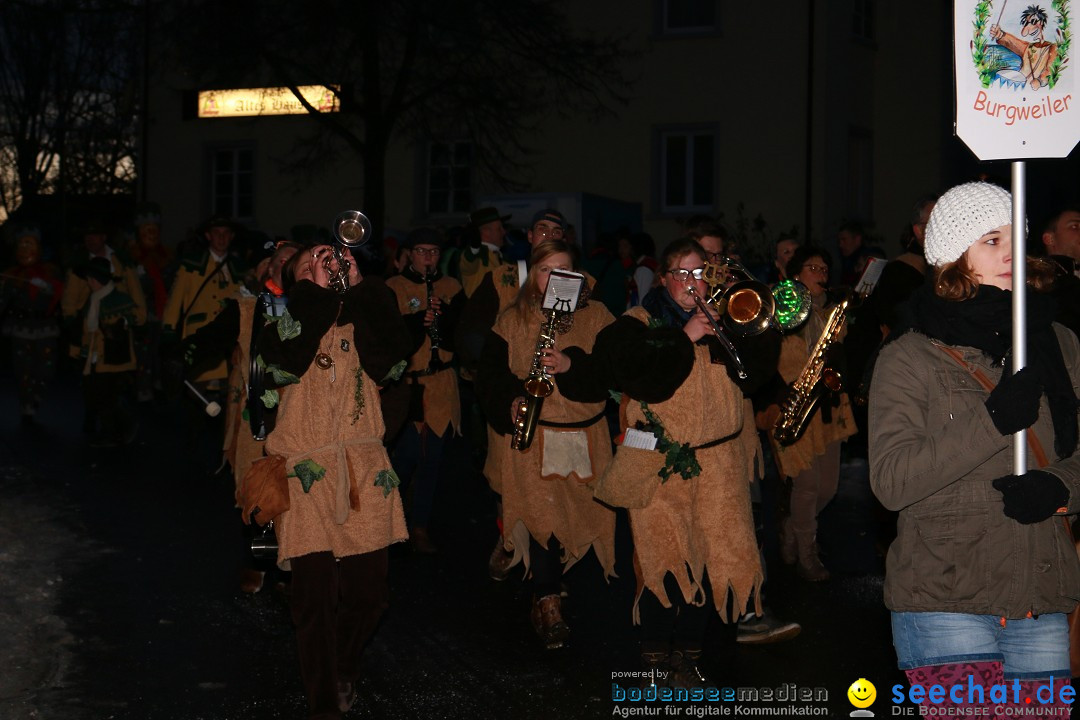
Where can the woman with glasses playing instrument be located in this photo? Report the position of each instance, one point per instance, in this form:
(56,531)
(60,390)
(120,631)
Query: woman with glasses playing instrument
(689,495)
(813,461)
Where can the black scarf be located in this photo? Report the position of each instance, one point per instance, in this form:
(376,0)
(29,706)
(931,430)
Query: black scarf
(418,277)
(659,303)
(984,322)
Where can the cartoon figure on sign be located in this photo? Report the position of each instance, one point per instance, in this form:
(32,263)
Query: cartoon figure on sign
(1022,58)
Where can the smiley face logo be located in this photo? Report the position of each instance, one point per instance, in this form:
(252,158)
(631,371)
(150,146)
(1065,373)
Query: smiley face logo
(862,693)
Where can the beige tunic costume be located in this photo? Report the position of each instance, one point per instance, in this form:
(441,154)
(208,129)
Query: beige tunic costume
(442,403)
(795,458)
(241,448)
(703,525)
(546,489)
(345,512)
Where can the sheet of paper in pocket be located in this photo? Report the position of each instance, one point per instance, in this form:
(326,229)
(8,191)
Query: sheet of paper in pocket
(639,439)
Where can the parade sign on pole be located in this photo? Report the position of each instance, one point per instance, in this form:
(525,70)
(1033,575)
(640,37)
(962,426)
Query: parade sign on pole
(1015,92)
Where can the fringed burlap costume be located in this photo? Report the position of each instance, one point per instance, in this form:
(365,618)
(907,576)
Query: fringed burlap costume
(545,489)
(702,526)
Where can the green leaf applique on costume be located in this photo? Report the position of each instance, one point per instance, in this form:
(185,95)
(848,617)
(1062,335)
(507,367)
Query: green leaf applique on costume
(396,372)
(288,327)
(281,377)
(358,396)
(387,480)
(308,471)
(270,399)
(615,395)
(679,458)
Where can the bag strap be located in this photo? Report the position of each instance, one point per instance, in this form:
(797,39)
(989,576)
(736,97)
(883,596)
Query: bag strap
(1033,441)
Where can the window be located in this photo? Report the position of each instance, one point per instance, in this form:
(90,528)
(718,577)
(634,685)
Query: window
(687,170)
(232,183)
(687,17)
(862,19)
(449,178)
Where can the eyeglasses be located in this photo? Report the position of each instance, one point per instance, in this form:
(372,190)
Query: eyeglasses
(714,256)
(816,268)
(545,231)
(427,252)
(682,275)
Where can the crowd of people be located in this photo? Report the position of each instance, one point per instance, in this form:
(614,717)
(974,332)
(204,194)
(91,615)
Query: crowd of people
(344,374)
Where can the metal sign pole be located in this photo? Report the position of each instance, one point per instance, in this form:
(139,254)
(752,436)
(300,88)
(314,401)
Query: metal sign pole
(1019,297)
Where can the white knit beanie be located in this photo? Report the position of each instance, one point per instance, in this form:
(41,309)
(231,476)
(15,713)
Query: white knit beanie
(963,215)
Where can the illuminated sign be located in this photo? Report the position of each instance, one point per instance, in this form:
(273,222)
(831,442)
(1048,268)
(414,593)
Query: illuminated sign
(266,101)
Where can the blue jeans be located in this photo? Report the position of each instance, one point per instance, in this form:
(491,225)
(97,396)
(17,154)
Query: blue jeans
(1035,647)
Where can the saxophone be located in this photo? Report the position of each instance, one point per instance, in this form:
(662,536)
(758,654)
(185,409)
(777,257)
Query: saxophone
(538,386)
(801,401)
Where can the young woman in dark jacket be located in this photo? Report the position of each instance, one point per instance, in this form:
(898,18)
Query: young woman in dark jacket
(983,570)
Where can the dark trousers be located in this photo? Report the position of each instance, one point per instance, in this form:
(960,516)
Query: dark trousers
(416,460)
(546,566)
(679,627)
(110,408)
(336,605)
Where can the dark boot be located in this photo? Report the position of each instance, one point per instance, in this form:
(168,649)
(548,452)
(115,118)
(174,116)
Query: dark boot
(548,622)
(809,565)
(684,670)
(657,669)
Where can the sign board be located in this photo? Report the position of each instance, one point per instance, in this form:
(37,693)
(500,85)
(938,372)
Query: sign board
(1016,90)
(265,101)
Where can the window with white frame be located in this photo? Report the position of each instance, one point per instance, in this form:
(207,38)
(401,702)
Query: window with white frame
(449,178)
(687,170)
(687,17)
(232,182)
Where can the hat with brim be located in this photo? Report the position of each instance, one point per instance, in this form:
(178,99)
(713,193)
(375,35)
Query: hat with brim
(423,236)
(483,216)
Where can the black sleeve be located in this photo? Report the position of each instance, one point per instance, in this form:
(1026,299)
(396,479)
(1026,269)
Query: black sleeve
(475,322)
(381,337)
(315,308)
(414,325)
(760,355)
(771,392)
(586,380)
(648,363)
(214,341)
(496,386)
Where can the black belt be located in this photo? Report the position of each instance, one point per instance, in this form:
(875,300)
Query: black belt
(714,443)
(429,370)
(579,424)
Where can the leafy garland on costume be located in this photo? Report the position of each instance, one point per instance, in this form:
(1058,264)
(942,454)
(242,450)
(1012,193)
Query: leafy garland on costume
(309,472)
(679,458)
(1064,40)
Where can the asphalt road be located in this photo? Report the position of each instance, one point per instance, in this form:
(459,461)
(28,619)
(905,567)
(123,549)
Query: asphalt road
(119,599)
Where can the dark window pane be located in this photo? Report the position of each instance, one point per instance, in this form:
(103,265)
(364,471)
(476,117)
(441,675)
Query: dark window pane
(244,184)
(703,170)
(675,171)
(440,178)
(243,161)
(437,201)
(461,178)
(462,201)
(245,207)
(440,154)
(684,14)
(223,162)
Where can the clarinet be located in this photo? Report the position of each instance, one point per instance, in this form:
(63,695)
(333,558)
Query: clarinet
(433,329)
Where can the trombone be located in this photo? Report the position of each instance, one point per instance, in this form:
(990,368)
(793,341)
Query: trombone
(750,307)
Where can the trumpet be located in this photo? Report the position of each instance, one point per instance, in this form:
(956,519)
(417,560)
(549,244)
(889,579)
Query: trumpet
(351,230)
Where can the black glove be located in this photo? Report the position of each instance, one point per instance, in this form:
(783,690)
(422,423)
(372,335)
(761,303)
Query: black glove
(1014,404)
(1032,497)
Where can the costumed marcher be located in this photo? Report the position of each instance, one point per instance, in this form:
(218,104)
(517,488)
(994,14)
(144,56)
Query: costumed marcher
(344,507)
(550,518)
(983,571)
(107,356)
(234,334)
(813,461)
(689,497)
(431,303)
(152,262)
(30,293)
(203,282)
